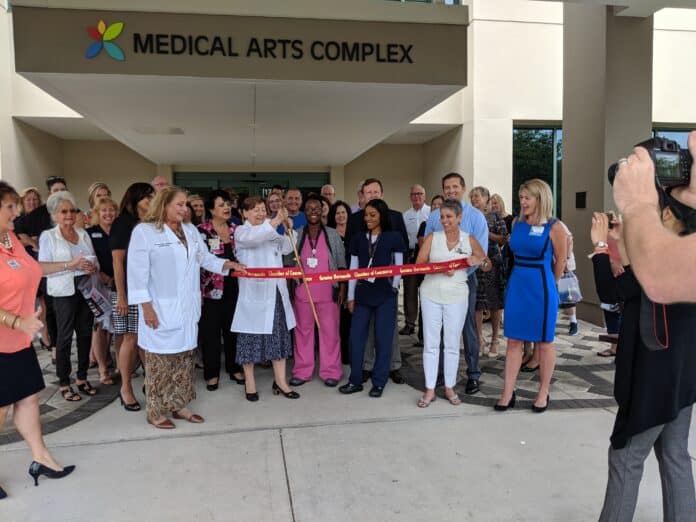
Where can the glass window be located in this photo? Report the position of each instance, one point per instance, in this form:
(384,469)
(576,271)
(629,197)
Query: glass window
(537,153)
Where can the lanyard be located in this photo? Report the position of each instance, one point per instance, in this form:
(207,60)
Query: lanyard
(313,245)
(372,248)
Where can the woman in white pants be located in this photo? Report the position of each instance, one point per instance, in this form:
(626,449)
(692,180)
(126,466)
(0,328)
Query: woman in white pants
(445,298)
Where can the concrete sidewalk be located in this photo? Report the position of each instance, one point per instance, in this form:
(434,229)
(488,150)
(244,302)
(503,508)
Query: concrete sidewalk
(326,457)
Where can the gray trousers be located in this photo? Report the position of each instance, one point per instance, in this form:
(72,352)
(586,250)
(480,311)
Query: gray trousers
(670,442)
(369,360)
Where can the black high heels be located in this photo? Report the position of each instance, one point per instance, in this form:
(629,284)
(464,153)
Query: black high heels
(288,395)
(36,470)
(538,409)
(510,404)
(251,397)
(134,406)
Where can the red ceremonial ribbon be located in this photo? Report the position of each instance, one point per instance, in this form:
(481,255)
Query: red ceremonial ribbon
(340,276)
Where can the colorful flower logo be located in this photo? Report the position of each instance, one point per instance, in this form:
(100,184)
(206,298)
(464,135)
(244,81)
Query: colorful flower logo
(103,36)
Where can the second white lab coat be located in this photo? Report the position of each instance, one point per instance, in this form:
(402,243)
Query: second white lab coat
(163,271)
(260,246)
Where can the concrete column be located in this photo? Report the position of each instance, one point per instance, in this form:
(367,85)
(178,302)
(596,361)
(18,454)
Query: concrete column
(338,179)
(607,108)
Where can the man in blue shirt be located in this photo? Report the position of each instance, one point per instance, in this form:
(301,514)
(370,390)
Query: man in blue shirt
(473,223)
(293,203)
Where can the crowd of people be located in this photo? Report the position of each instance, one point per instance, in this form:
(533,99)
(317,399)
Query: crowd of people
(104,277)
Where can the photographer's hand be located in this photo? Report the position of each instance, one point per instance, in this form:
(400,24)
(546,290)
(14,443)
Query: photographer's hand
(634,186)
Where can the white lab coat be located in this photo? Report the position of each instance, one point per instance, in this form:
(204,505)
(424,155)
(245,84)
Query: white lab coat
(260,246)
(161,270)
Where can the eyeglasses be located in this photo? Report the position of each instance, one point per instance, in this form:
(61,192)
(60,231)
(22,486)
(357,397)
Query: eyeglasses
(68,211)
(418,193)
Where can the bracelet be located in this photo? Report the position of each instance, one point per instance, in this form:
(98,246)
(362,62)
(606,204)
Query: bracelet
(4,316)
(598,250)
(17,318)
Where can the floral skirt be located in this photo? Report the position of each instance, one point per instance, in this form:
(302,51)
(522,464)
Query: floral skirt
(168,382)
(256,348)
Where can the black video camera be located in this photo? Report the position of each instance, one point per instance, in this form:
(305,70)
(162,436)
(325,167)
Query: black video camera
(672,164)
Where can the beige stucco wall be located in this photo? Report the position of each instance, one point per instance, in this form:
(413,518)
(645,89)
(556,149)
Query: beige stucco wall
(85,162)
(397,166)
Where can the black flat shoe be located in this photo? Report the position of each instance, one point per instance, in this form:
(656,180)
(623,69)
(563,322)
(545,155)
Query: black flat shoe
(238,381)
(396,377)
(36,470)
(296,382)
(376,391)
(288,395)
(2,494)
(350,388)
(252,397)
(331,383)
(212,387)
(472,386)
(537,409)
(133,406)
(510,404)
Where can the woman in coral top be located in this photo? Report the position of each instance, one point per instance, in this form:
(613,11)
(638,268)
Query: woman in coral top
(21,379)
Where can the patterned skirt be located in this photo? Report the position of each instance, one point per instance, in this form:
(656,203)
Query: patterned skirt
(256,348)
(168,382)
(490,292)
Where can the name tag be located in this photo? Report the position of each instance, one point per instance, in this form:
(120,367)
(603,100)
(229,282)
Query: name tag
(163,245)
(13,264)
(214,243)
(536,230)
(97,235)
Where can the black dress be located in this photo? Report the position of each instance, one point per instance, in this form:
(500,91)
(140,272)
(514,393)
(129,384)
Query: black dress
(651,387)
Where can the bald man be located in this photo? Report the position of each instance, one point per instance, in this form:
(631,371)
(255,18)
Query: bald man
(329,192)
(413,217)
(159,183)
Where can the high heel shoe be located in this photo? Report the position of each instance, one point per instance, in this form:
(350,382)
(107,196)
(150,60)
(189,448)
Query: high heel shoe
(538,409)
(134,406)
(251,397)
(288,395)
(504,407)
(36,470)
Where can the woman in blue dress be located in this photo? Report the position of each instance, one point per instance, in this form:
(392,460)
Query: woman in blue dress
(531,304)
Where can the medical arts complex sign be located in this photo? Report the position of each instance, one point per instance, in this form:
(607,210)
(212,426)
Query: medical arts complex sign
(77,41)
(272,48)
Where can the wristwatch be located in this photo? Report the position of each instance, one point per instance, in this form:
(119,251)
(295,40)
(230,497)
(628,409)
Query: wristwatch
(601,244)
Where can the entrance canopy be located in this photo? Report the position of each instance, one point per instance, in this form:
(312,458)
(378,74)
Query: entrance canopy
(233,90)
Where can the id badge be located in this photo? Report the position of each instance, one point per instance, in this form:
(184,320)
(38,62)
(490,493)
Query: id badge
(536,230)
(312,262)
(214,243)
(370,279)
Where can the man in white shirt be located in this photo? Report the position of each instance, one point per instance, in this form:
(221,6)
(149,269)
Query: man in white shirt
(413,217)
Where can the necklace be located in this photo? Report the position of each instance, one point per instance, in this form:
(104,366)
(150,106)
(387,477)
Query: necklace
(7,241)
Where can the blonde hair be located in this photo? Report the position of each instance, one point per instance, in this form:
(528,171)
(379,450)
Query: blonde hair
(103,202)
(540,190)
(193,197)
(92,190)
(158,207)
(26,192)
(501,204)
